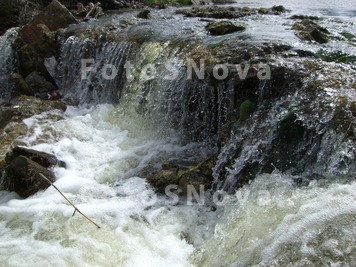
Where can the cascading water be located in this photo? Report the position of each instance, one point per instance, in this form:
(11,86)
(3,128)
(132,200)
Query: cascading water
(88,74)
(161,88)
(6,63)
(282,218)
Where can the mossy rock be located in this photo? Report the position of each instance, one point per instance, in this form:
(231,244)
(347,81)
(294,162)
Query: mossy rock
(224,27)
(245,110)
(310,31)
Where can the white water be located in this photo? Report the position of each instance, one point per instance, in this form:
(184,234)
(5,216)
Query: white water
(270,222)
(136,230)
(6,58)
(267,223)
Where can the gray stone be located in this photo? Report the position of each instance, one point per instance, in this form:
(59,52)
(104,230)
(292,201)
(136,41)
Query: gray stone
(224,27)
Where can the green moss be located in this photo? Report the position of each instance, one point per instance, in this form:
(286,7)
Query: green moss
(349,36)
(337,56)
(245,111)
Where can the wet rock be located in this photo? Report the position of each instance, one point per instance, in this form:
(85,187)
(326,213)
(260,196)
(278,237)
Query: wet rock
(144,14)
(20,85)
(206,168)
(9,13)
(287,148)
(38,83)
(11,120)
(196,180)
(163,178)
(42,158)
(310,31)
(301,17)
(219,12)
(5,117)
(224,27)
(37,40)
(277,10)
(23,176)
(245,110)
(180,174)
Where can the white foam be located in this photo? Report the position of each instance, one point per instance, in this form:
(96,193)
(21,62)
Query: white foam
(40,230)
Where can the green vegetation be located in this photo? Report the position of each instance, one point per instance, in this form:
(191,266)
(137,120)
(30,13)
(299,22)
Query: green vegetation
(167,2)
(349,36)
(336,56)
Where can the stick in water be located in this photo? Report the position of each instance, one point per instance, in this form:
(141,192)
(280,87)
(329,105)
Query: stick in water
(70,202)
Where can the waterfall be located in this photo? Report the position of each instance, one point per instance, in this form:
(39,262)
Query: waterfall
(160,90)
(6,63)
(92,71)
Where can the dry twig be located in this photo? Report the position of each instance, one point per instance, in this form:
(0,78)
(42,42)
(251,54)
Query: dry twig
(70,202)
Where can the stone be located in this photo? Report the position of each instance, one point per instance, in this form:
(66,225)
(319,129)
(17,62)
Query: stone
(219,12)
(23,176)
(206,168)
(20,85)
(37,40)
(194,179)
(246,109)
(163,178)
(38,83)
(11,119)
(9,13)
(5,117)
(44,159)
(310,31)
(278,9)
(224,27)
(144,14)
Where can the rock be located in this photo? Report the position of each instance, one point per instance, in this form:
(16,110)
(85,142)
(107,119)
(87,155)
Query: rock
(9,13)
(311,31)
(195,179)
(301,17)
(42,158)
(38,83)
(163,178)
(5,117)
(246,109)
(37,40)
(219,12)
(22,175)
(224,27)
(206,168)
(278,9)
(144,14)
(12,125)
(20,85)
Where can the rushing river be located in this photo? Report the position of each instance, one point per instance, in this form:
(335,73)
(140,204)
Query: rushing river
(275,220)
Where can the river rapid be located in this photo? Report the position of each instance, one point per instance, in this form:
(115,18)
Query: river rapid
(275,220)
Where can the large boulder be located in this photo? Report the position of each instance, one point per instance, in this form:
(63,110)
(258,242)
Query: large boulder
(23,176)
(38,83)
(44,159)
(24,168)
(37,40)
(224,27)
(310,31)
